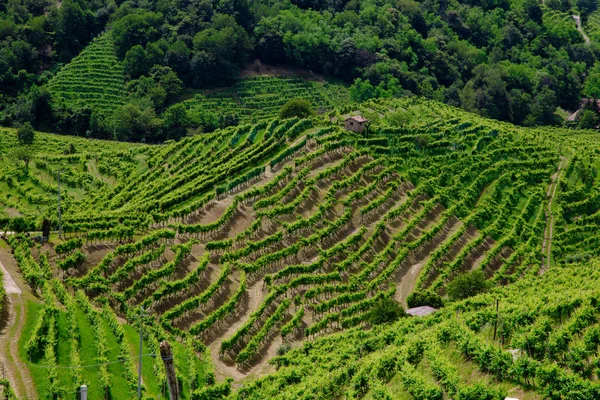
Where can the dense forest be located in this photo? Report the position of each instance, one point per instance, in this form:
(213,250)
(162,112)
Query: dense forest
(514,60)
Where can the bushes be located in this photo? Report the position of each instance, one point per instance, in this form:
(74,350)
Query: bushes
(467,285)
(68,246)
(296,108)
(424,298)
(25,134)
(72,261)
(386,310)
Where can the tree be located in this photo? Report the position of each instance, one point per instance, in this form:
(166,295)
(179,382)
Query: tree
(543,108)
(486,93)
(71,26)
(591,87)
(361,90)
(588,119)
(300,108)
(178,58)
(220,51)
(386,310)
(22,153)
(168,79)
(146,88)
(136,122)
(467,285)
(424,298)
(586,7)
(25,134)
(136,62)
(176,121)
(134,29)
(398,118)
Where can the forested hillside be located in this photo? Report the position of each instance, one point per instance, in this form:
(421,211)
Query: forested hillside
(520,61)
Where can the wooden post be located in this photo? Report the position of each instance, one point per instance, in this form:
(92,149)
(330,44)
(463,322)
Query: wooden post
(167,355)
(496,323)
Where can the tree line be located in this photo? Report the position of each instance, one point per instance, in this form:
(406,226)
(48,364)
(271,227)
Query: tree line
(514,61)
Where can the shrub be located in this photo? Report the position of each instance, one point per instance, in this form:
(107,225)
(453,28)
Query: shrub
(296,108)
(386,310)
(467,285)
(284,348)
(424,298)
(25,134)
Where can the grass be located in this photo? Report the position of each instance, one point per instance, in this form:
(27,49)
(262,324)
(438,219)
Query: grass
(37,374)
(119,387)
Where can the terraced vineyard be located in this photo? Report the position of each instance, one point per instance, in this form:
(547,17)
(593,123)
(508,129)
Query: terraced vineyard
(94,78)
(592,26)
(259,98)
(540,341)
(576,209)
(263,235)
(93,167)
(561,24)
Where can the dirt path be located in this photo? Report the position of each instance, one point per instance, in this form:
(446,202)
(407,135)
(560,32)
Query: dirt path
(549,232)
(17,374)
(409,280)
(577,19)
(223,370)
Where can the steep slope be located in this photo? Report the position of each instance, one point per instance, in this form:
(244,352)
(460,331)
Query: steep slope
(95,78)
(258,238)
(537,338)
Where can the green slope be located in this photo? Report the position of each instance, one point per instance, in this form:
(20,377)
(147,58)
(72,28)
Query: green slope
(94,79)
(296,232)
(260,98)
(549,323)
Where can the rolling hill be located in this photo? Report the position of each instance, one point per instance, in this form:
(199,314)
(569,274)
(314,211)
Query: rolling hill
(294,234)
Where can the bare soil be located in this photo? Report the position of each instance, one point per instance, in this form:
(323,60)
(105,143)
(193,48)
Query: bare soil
(11,327)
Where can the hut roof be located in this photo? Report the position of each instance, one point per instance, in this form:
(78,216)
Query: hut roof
(421,311)
(357,118)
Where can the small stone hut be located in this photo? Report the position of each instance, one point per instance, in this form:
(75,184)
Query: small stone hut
(355,123)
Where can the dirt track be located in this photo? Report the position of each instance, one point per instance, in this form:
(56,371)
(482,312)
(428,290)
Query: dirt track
(549,232)
(11,330)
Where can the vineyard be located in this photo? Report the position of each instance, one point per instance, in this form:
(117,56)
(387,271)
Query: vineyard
(94,78)
(272,248)
(258,98)
(537,338)
(592,26)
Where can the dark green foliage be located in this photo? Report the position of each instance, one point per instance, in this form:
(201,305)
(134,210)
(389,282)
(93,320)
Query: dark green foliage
(386,310)
(467,285)
(514,61)
(588,119)
(296,108)
(424,298)
(25,134)
(176,120)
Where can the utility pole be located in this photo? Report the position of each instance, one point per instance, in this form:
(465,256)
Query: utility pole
(142,315)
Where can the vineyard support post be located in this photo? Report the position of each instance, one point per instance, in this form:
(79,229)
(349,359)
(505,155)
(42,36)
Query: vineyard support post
(139,389)
(59,210)
(167,356)
(496,322)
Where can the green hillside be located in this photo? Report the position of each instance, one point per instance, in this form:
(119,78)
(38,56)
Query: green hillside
(259,98)
(295,234)
(540,342)
(94,79)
